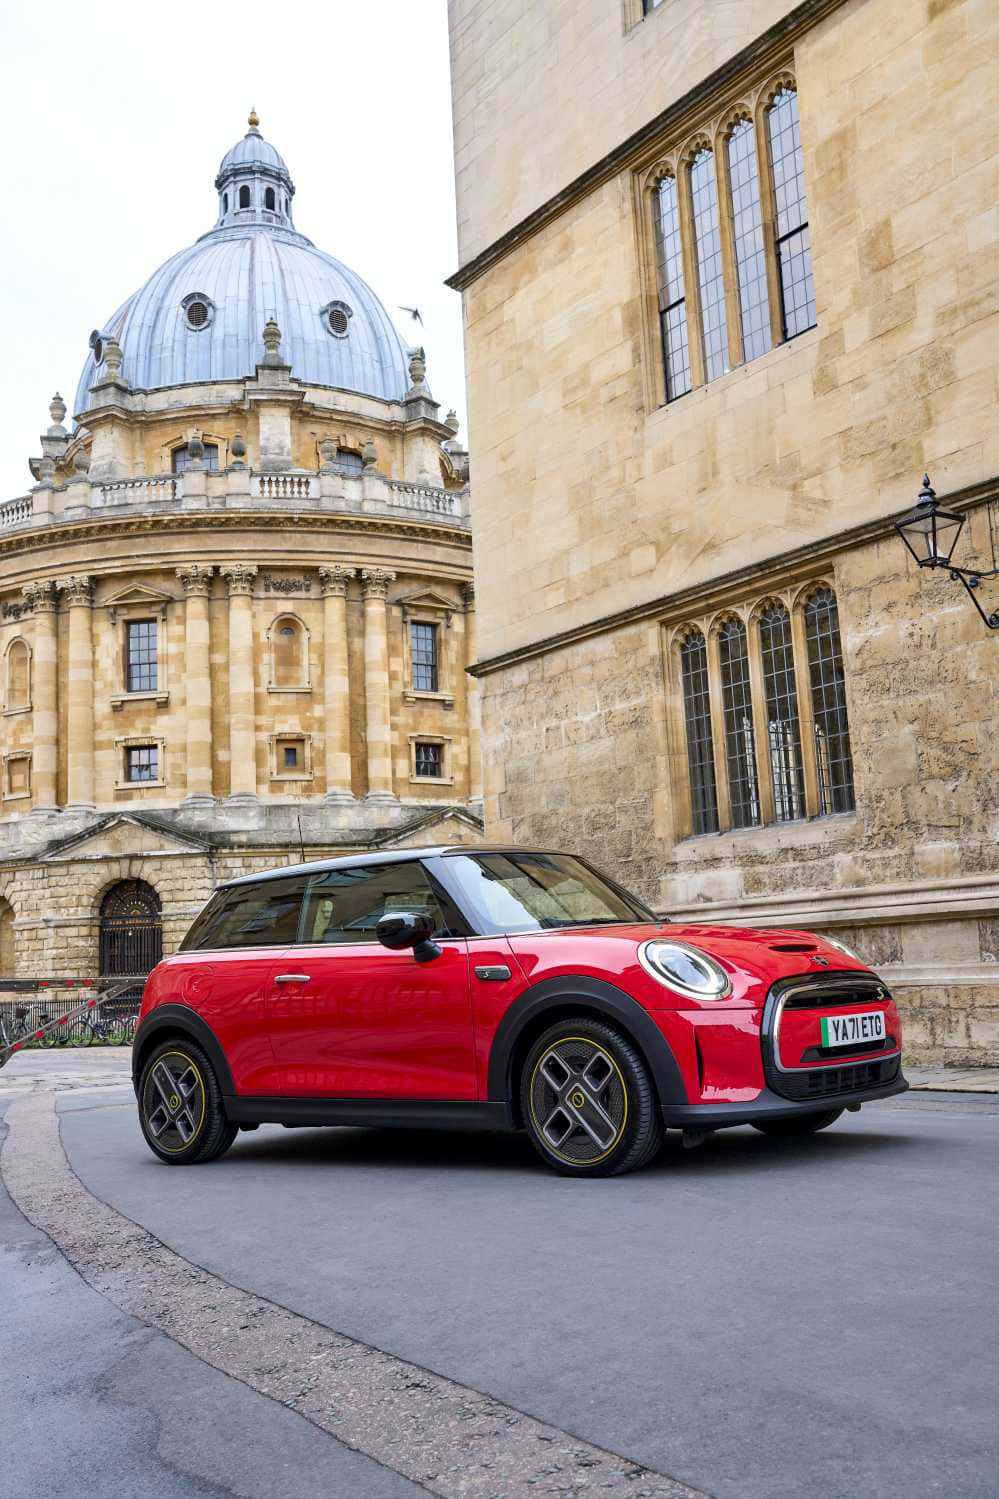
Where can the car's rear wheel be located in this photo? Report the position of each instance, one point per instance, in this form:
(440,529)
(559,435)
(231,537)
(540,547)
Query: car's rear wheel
(588,1102)
(180,1106)
(798,1124)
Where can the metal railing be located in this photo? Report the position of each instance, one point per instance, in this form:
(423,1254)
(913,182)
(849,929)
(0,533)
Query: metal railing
(67,1012)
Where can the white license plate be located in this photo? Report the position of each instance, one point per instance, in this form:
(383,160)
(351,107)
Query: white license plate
(853,1030)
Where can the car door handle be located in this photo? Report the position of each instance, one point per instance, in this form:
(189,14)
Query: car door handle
(497,973)
(292,978)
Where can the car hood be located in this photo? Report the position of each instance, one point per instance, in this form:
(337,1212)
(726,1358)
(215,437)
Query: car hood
(755,958)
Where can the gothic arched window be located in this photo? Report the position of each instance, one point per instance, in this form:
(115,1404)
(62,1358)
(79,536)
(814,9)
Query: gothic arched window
(700,744)
(834,758)
(783,732)
(737,707)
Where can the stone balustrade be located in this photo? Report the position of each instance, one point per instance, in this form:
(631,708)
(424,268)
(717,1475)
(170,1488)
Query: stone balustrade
(136,491)
(235,488)
(16,512)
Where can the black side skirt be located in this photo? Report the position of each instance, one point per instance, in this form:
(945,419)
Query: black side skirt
(380,1113)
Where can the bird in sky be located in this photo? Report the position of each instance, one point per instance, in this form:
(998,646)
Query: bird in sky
(414,312)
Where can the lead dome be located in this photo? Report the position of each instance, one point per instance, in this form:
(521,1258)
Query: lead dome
(199,315)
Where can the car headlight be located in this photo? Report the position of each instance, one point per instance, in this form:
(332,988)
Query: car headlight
(842,947)
(684,968)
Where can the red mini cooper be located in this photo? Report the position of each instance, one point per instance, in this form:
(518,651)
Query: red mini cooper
(498,988)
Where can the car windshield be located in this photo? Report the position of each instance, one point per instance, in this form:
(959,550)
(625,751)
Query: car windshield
(527,892)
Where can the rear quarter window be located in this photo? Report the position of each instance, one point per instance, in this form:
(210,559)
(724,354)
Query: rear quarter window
(264,915)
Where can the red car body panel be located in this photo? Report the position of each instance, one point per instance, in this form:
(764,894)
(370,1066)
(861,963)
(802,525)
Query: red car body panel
(373,1023)
(360,1021)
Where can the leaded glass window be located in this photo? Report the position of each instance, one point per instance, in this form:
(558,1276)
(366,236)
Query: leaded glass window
(140,655)
(783,731)
(747,236)
(142,762)
(794,253)
(707,241)
(737,707)
(834,759)
(426,675)
(700,744)
(181,460)
(429,759)
(672,301)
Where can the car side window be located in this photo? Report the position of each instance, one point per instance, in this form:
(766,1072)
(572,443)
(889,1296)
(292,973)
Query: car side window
(346,905)
(264,915)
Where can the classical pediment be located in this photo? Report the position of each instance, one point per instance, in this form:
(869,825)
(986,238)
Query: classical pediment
(426,602)
(138,596)
(122,833)
(454,825)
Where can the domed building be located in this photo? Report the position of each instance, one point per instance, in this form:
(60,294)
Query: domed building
(236,607)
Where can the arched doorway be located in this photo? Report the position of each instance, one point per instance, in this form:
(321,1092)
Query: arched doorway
(131,929)
(8,969)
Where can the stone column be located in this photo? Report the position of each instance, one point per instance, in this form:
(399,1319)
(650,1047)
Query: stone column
(197,584)
(41,600)
(336,682)
(80,695)
(242,707)
(474,729)
(376,685)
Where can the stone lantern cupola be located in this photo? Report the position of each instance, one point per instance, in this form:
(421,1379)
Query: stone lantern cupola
(253,183)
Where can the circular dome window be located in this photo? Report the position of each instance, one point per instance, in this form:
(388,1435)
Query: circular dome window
(337,316)
(198,310)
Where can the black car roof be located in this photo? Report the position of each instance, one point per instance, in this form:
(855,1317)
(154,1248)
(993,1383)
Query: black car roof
(395,856)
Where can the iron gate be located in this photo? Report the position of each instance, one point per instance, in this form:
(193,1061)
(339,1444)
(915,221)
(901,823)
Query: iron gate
(131,931)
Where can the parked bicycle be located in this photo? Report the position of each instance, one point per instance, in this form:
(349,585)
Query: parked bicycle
(19,1028)
(114,1028)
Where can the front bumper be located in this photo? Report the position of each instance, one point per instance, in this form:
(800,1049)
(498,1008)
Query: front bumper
(768,1105)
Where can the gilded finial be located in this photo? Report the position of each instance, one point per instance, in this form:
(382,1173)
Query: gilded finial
(252,119)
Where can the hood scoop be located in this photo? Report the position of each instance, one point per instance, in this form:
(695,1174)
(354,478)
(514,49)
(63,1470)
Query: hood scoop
(792,946)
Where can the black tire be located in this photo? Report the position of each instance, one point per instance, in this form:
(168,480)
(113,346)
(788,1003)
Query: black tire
(609,1125)
(180,1106)
(798,1124)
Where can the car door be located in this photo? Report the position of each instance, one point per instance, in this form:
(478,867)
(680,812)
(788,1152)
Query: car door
(349,1018)
(230,960)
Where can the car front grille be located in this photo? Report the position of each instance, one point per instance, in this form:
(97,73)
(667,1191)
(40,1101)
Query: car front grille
(815,992)
(827,1082)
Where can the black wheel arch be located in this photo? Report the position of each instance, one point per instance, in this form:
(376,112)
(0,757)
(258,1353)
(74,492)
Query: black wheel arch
(553,999)
(170,1021)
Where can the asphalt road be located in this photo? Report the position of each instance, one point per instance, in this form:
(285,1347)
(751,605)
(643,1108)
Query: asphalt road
(757,1318)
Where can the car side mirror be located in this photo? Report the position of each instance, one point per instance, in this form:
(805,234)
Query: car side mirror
(415,929)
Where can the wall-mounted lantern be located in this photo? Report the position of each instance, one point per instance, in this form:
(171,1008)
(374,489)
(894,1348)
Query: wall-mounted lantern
(931,534)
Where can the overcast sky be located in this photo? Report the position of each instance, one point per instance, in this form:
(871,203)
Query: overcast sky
(115,117)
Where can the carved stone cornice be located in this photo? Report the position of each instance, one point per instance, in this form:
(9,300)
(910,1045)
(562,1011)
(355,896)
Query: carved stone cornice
(66,533)
(40,597)
(240,576)
(334,580)
(375,582)
(78,589)
(196,579)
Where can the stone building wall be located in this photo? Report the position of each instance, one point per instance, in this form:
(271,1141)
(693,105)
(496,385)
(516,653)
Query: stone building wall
(610,519)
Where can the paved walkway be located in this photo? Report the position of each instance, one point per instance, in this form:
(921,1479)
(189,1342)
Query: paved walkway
(954,1079)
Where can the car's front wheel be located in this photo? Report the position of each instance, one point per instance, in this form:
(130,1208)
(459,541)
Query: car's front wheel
(180,1106)
(798,1124)
(588,1102)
